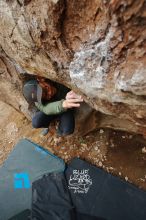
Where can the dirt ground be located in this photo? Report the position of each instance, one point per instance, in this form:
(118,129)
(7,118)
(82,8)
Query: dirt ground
(120,153)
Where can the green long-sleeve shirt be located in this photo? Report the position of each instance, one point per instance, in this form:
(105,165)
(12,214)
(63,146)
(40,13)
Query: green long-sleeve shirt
(55,105)
(51,108)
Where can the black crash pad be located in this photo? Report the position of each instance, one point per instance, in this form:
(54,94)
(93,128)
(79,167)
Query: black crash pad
(86,192)
(98,193)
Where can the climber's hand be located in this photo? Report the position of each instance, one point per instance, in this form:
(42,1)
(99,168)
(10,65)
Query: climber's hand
(71,103)
(73,95)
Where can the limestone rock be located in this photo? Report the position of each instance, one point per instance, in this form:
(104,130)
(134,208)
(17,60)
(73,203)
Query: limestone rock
(97,48)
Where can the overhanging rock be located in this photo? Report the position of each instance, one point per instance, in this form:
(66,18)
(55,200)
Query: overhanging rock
(95,47)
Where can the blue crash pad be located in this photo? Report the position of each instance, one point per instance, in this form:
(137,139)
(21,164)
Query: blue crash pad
(26,163)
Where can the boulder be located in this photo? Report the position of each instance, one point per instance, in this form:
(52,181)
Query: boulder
(96,48)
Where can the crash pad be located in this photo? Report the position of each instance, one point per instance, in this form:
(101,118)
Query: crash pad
(97,193)
(51,200)
(84,191)
(25,164)
(24,215)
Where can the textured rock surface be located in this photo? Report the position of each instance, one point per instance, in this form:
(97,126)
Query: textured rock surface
(98,48)
(11,85)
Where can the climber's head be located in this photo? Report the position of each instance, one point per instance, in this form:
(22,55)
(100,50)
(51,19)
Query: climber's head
(32,91)
(38,90)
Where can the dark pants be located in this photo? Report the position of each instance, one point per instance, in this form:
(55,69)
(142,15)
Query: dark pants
(66,121)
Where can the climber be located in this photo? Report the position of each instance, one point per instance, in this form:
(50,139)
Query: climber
(53,101)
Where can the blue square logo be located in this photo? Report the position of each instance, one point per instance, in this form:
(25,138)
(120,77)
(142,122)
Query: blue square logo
(21,181)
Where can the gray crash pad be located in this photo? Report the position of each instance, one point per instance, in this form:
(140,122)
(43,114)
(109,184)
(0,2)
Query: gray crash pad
(26,163)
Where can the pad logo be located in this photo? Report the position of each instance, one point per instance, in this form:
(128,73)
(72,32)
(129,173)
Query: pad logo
(21,181)
(80,181)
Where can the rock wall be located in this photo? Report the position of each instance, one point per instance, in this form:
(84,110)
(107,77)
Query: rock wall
(95,47)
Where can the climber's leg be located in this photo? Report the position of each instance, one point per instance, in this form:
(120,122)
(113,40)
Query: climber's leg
(66,123)
(41,120)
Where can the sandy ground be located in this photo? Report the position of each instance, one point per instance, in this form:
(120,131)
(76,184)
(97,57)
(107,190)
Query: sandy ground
(119,153)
